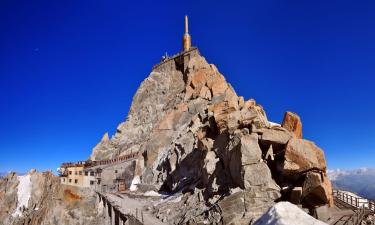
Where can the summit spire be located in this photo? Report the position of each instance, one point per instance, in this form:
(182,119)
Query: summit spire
(187,39)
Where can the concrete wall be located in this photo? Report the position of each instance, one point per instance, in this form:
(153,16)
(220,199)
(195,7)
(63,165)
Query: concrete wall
(111,176)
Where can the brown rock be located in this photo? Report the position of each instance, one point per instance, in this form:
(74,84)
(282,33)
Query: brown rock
(199,79)
(188,93)
(292,123)
(317,190)
(205,93)
(219,87)
(169,121)
(302,155)
(261,120)
(221,113)
(295,195)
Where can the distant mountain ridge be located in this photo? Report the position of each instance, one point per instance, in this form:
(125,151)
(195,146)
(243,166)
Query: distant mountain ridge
(3,174)
(360,181)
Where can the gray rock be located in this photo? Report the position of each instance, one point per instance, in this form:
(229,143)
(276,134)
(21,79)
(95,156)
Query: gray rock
(275,136)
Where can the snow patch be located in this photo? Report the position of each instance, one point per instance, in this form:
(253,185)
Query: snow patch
(175,200)
(286,213)
(273,124)
(136,180)
(23,194)
(151,194)
(177,197)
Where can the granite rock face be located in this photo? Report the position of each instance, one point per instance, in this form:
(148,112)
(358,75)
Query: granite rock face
(195,136)
(292,123)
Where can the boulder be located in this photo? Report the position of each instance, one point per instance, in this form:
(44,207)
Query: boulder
(276,135)
(292,123)
(317,190)
(258,175)
(250,150)
(233,208)
(246,166)
(295,195)
(222,115)
(302,155)
(242,207)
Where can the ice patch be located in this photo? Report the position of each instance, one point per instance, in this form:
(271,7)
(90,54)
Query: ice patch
(23,194)
(285,213)
(136,180)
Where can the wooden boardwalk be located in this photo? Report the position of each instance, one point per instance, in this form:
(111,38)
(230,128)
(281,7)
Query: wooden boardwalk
(350,209)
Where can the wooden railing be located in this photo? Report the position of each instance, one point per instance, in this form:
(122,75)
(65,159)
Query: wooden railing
(116,215)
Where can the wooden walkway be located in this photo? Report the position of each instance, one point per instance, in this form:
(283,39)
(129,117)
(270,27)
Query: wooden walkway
(350,209)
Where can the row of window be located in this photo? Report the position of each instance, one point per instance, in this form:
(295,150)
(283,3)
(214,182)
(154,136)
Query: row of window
(76,181)
(80,173)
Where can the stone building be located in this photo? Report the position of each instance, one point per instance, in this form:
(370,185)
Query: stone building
(75,174)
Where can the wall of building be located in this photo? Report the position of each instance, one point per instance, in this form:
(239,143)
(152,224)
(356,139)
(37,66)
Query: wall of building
(76,176)
(113,174)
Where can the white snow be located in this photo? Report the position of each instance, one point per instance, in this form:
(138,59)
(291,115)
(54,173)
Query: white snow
(136,180)
(273,124)
(286,213)
(152,194)
(176,197)
(23,193)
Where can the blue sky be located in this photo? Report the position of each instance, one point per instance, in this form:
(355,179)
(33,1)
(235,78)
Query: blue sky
(69,69)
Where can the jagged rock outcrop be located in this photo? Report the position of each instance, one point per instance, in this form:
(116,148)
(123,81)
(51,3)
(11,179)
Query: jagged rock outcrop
(39,199)
(292,123)
(196,136)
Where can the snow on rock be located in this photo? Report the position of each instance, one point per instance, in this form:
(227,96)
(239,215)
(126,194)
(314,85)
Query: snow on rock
(23,194)
(136,180)
(286,213)
(152,194)
(273,124)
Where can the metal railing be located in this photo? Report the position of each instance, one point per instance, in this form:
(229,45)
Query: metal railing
(354,201)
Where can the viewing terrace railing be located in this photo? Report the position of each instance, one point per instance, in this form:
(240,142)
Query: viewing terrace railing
(354,201)
(116,160)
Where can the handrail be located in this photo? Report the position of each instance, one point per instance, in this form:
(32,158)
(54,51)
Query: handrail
(135,216)
(356,202)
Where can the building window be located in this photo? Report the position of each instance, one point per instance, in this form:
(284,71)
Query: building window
(92,173)
(70,172)
(86,173)
(75,173)
(91,182)
(80,172)
(99,181)
(70,180)
(115,171)
(75,181)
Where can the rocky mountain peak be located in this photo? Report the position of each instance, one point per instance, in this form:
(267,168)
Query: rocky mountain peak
(194,134)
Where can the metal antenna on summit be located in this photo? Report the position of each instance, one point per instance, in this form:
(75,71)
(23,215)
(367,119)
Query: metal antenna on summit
(187,39)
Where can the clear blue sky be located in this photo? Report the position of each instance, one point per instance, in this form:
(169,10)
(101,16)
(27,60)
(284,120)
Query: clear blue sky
(69,69)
